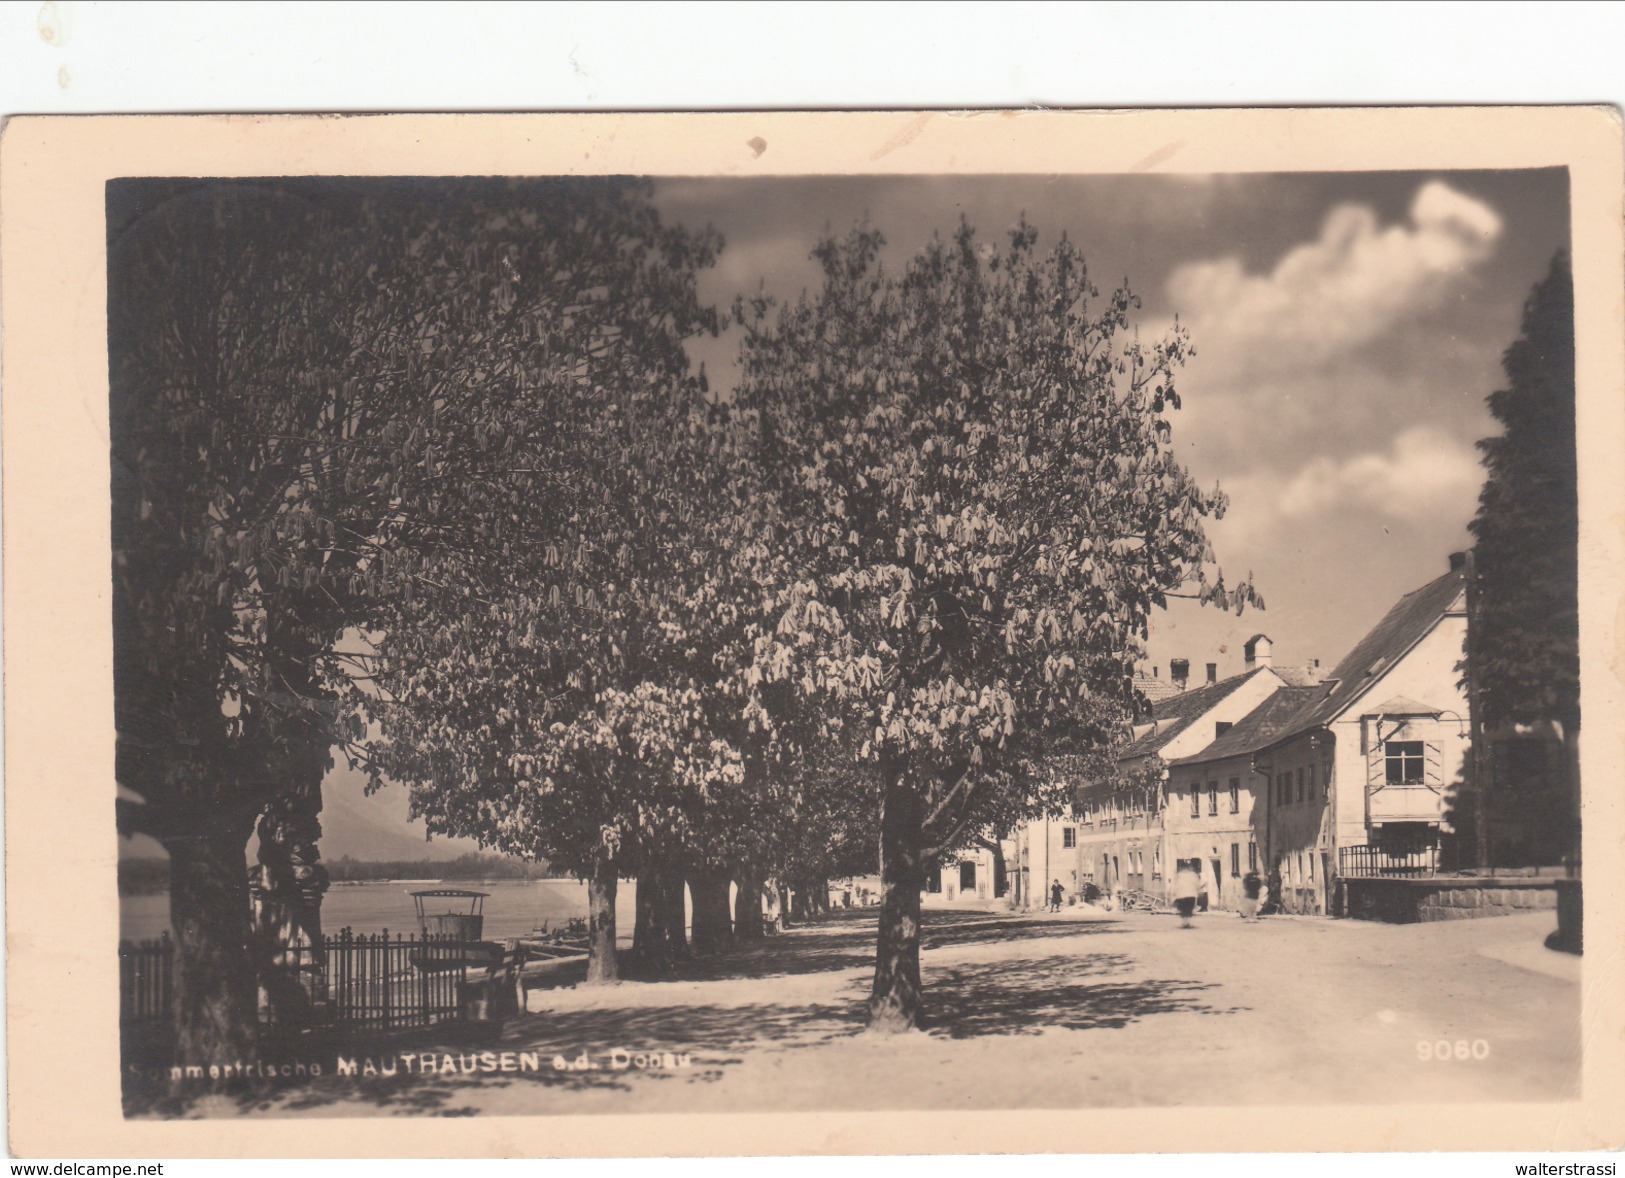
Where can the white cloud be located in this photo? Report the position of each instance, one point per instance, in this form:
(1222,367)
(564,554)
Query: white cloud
(1424,479)
(1344,289)
(1425,473)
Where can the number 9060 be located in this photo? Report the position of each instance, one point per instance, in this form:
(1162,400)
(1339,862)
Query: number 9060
(1439,1050)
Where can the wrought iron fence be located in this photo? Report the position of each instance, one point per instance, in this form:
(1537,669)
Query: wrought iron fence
(378,982)
(1377,862)
(145,974)
(354,983)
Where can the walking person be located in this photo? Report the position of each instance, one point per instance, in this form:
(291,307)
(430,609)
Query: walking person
(1273,896)
(1251,885)
(1186,885)
(1056,893)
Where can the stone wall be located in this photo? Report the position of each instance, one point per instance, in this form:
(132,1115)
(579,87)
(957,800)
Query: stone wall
(1408,901)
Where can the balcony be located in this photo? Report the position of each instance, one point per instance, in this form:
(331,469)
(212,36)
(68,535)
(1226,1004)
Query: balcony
(1404,803)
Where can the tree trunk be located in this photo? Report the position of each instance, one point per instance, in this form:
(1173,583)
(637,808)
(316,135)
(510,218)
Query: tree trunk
(214,995)
(895,1002)
(672,918)
(286,898)
(1001,875)
(647,933)
(601,888)
(748,909)
(713,922)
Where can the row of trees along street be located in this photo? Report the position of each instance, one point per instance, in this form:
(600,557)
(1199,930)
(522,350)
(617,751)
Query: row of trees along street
(420,474)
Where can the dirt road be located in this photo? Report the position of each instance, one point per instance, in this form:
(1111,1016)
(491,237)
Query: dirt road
(1076,1010)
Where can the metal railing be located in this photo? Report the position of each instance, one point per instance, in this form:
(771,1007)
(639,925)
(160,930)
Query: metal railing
(146,972)
(1366,862)
(368,982)
(379,982)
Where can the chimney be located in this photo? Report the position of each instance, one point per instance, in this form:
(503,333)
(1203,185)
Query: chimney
(1458,561)
(1257,651)
(1155,672)
(1179,670)
(1212,673)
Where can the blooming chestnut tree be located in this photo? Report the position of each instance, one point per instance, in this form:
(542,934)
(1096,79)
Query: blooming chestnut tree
(979,509)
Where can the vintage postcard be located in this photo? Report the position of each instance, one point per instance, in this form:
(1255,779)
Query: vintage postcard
(813,633)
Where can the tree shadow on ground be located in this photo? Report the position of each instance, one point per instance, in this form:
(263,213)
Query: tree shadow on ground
(990,929)
(968,1000)
(1005,998)
(1031,996)
(845,939)
(712,1038)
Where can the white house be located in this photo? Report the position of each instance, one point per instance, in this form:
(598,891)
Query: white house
(1358,777)
(1115,839)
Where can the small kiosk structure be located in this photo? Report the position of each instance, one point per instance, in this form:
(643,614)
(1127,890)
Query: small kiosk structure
(450,921)
(450,912)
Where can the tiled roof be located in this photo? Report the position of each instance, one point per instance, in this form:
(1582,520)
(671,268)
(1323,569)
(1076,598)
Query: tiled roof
(1154,689)
(1260,727)
(1406,624)
(1299,676)
(1178,712)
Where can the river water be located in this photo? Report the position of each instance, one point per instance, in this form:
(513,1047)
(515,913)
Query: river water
(512,909)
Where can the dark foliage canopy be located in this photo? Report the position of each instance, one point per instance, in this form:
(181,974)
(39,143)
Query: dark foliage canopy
(1526,533)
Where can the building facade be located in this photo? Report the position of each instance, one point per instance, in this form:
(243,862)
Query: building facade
(1302,777)
(1128,839)
(1378,752)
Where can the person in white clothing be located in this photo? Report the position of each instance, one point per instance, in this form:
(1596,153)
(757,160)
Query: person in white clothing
(1186,886)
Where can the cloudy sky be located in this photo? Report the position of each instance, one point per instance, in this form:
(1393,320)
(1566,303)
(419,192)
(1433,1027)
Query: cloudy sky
(1347,329)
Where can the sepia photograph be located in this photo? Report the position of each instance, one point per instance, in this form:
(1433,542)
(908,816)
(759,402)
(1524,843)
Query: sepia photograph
(630,640)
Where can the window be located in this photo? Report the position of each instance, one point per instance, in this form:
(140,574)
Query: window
(1196,801)
(1284,788)
(1405,762)
(1252,856)
(1312,781)
(1069,837)
(1309,864)
(1213,797)
(1235,858)
(1156,863)
(1235,795)
(1300,784)
(967,877)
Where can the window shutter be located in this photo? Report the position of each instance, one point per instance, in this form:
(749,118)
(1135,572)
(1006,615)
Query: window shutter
(1433,764)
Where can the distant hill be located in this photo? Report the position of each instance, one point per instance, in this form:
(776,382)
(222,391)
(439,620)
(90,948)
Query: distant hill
(377,827)
(374,829)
